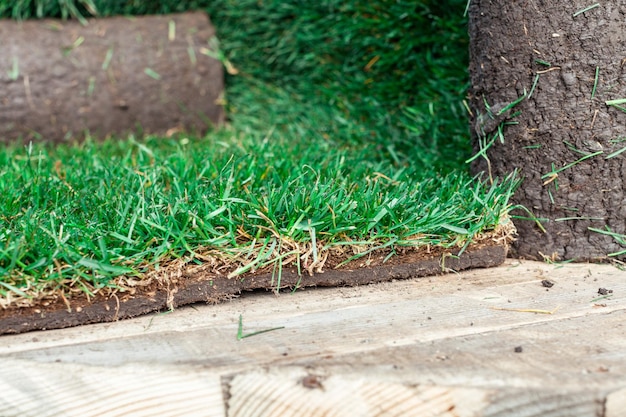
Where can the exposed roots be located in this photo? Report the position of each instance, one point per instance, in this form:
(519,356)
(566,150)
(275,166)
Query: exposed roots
(270,255)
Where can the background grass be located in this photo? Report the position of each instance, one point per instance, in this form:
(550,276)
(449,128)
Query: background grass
(347,133)
(394,72)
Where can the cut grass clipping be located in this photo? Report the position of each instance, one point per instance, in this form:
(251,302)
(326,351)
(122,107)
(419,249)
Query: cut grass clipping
(347,135)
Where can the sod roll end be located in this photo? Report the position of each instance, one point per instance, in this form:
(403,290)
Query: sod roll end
(61,80)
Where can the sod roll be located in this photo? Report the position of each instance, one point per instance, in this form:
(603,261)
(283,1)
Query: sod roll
(61,80)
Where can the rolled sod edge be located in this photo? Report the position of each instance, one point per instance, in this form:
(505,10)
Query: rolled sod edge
(119,75)
(195,285)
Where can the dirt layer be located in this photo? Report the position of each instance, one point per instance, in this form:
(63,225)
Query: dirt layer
(564,138)
(196,285)
(62,80)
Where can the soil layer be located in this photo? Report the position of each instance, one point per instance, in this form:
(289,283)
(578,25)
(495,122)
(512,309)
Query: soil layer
(148,74)
(565,62)
(194,284)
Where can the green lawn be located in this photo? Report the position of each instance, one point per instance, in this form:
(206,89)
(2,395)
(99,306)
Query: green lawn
(347,133)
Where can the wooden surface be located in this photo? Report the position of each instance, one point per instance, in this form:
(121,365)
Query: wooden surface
(438,346)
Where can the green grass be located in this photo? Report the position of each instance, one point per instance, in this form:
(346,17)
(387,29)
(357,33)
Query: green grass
(82,215)
(347,134)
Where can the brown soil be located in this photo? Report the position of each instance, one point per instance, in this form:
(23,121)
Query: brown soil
(61,79)
(573,62)
(194,284)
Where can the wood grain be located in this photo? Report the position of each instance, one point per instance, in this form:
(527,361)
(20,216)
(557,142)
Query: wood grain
(438,343)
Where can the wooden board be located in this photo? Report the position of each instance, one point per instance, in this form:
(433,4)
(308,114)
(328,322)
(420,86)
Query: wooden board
(432,346)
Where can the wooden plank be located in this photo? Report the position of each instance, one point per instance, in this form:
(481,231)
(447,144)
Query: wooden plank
(615,405)
(469,292)
(297,391)
(429,338)
(319,323)
(294,392)
(565,368)
(62,389)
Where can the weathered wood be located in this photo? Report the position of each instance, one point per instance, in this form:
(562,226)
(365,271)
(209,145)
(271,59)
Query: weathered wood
(294,392)
(616,403)
(115,75)
(431,342)
(39,390)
